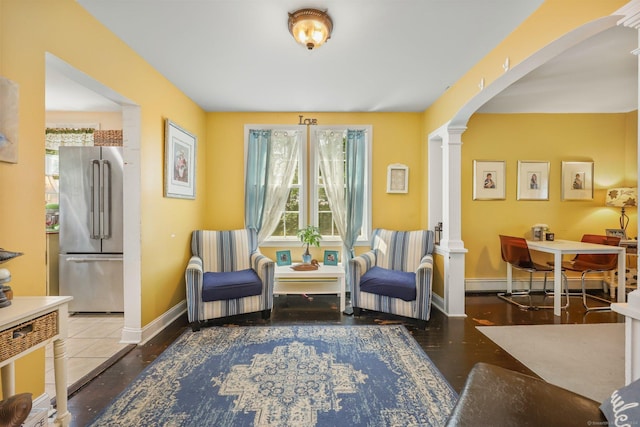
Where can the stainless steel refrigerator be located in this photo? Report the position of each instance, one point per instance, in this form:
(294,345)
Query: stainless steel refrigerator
(91,231)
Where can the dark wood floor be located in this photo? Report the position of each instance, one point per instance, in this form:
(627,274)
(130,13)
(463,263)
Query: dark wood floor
(453,344)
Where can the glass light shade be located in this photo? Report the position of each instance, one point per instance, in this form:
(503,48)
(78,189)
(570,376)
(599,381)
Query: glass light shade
(310,27)
(622,197)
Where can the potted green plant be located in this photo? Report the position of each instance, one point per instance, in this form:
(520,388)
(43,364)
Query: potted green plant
(310,235)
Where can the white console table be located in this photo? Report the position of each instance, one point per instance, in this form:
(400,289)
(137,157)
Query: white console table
(25,311)
(328,279)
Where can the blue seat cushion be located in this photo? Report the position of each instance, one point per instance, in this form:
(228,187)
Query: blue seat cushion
(391,283)
(230,285)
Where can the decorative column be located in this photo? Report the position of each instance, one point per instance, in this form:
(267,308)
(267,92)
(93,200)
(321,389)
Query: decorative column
(445,154)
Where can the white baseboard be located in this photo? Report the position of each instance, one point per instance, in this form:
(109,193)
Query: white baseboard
(438,302)
(144,334)
(500,285)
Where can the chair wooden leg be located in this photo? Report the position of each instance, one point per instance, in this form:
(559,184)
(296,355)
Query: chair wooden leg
(195,326)
(266,314)
(357,311)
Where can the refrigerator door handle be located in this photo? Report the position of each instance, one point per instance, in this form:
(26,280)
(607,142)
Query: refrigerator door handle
(92,259)
(105,200)
(94,219)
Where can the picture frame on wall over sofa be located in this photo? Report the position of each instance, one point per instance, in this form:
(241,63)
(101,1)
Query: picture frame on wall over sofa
(179,162)
(533,180)
(489,181)
(577,180)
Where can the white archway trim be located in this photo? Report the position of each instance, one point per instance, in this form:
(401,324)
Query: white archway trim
(131,134)
(445,168)
(529,64)
(631,15)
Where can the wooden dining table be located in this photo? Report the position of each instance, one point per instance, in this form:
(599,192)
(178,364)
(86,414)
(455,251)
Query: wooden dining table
(560,248)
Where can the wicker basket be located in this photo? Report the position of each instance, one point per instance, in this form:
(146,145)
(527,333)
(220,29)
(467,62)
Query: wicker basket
(15,340)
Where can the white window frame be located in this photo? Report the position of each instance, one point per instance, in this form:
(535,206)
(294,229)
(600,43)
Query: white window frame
(302,177)
(363,239)
(308,201)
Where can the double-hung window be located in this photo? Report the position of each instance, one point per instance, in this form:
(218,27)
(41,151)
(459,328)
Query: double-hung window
(308,201)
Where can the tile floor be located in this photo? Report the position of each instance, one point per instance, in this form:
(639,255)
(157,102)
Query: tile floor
(93,339)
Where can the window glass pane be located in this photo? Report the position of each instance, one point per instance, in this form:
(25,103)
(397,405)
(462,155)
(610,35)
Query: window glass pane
(279,231)
(291,224)
(325,220)
(323,201)
(293,201)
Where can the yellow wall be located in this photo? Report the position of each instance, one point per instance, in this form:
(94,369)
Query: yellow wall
(604,139)
(396,139)
(438,275)
(29,29)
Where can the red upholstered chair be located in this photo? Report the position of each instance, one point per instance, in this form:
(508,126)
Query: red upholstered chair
(515,251)
(594,263)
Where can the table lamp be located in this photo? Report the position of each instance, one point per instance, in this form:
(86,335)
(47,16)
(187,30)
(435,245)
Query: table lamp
(5,277)
(622,198)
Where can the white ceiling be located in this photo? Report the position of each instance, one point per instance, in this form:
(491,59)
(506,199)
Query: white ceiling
(599,75)
(421,47)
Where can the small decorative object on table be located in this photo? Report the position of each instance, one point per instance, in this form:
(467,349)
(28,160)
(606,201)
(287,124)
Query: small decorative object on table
(310,235)
(6,294)
(330,257)
(283,257)
(538,231)
(313,265)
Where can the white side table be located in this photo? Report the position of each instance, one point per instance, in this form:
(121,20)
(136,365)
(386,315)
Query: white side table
(327,279)
(631,311)
(24,316)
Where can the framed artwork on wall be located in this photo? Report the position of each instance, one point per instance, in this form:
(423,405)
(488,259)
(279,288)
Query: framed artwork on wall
(533,180)
(577,180)
(489,181)
(9,98)
(179,162)
(397,178)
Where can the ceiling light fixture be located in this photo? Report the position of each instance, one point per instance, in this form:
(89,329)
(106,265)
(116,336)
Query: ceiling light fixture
(310,27)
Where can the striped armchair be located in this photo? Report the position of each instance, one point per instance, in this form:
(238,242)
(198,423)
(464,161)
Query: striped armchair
(227,275)
(395,275)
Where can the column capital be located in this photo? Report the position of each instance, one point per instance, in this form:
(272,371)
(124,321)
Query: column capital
(456,129)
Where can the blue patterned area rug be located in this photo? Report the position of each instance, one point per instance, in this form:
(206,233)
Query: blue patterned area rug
(287,376)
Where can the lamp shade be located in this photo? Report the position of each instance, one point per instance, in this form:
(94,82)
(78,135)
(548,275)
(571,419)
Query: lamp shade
(310,27)
(622,197)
